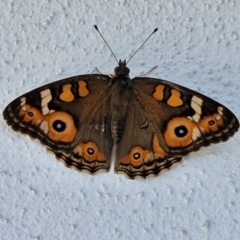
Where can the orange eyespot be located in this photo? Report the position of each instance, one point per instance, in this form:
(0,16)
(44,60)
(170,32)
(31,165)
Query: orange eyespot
(135,157)
(91,152)
(179,132)
(210,123)
(61,126)
(30,114)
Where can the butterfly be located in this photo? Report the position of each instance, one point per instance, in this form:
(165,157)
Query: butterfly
(152,122)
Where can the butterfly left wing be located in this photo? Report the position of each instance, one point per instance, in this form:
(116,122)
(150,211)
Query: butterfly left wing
(69,117)
(166,122)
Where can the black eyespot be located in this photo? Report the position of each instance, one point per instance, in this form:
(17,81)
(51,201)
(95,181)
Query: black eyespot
(136,156)
(181,131)
(30,114)
(211,122)
(90,151)
(59,126)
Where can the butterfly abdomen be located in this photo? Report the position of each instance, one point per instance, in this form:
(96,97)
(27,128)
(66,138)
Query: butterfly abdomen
(119,105)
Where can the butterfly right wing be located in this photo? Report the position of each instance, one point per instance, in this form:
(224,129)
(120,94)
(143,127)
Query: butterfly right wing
(69,117)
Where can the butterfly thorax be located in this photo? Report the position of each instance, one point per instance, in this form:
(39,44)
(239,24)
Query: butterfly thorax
(120,100)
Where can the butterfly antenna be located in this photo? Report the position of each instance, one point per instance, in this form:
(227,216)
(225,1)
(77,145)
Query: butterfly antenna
(95,26)
(155,30)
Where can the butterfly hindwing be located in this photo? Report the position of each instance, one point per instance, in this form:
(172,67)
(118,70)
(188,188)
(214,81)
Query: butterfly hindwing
(165,122)
(139,153)
(70,121)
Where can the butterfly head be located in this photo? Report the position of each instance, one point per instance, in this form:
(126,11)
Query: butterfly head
(121,69)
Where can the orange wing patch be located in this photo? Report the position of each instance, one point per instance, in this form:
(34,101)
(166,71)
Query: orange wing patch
(175,99)
(66,95)
(159,94)
(82,90)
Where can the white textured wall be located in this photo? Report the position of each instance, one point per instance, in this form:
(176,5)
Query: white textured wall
(197,45)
